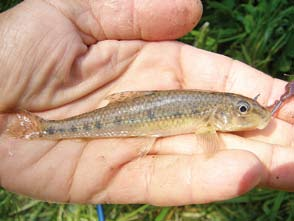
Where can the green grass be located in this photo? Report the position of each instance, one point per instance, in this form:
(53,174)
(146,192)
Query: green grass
(258,205)
(261,34)
(6,4)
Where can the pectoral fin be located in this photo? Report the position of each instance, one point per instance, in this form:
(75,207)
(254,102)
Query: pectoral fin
(208,140)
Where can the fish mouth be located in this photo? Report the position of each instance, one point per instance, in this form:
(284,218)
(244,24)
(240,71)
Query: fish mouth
(261,126)
(265,123)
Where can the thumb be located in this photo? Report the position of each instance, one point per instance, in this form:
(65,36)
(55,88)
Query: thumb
(137,19)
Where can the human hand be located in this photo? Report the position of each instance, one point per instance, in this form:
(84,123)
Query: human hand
(62,59)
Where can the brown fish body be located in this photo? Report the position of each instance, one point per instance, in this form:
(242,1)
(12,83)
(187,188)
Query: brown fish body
(154,114)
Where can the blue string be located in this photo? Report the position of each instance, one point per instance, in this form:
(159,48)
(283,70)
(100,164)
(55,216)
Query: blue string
(100,212)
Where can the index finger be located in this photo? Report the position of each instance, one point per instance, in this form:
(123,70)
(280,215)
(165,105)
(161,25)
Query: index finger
(210,71)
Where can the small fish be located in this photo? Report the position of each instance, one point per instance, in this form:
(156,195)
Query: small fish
(151,114)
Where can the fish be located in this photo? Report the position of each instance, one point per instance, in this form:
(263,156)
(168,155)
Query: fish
(154,114)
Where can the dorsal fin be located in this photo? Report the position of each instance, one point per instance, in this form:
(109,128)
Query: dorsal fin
(126,95)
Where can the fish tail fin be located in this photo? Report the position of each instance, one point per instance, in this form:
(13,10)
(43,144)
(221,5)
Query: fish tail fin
(25,125)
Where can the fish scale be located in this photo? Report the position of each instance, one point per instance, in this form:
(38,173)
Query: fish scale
(154,114)
(159,113)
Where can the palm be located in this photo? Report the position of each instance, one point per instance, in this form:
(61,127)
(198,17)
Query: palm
(70,78)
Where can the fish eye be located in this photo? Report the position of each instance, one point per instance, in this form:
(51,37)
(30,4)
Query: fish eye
(243,107)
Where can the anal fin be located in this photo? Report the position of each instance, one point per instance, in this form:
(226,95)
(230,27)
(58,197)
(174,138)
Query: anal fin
(146,145)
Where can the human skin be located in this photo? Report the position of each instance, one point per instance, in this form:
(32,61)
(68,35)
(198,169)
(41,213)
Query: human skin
(62,58)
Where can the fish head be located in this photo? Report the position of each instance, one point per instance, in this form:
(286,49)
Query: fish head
(241,113)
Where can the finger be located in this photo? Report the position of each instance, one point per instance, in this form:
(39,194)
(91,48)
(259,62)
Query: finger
(278,160)
(277,132)
(63,171)
(201,68)
(100,163)
(141,19)
(188,143)
(181,180)
(281,134)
